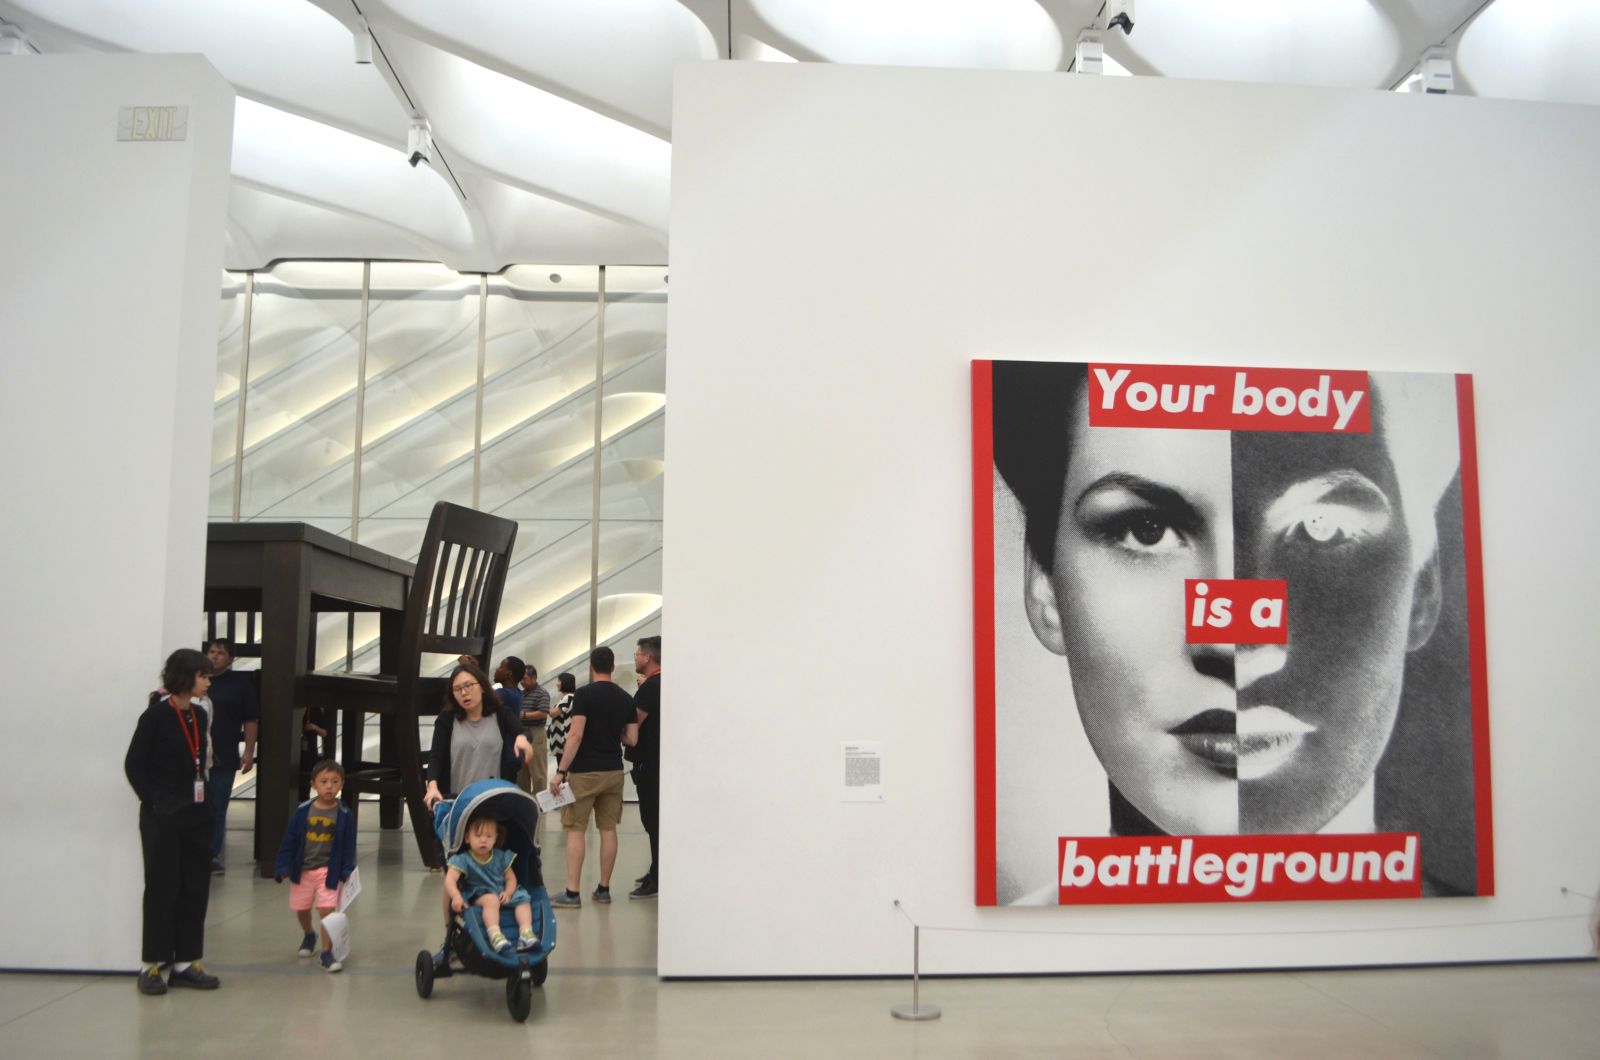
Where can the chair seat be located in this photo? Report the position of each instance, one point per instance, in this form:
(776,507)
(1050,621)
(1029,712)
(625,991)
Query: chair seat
(371,693)
(379,781)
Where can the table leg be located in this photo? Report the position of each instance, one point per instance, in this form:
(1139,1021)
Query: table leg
(285,626)
(391,810)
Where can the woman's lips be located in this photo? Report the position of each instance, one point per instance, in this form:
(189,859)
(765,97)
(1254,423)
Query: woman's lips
(1248,745)
(1211,736)
(1268,737)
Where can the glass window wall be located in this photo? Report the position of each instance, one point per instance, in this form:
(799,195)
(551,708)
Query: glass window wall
(479,390)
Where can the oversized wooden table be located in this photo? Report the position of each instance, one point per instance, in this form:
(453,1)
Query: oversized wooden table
(289,572)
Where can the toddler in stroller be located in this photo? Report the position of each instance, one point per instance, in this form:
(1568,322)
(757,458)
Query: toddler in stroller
(485,873)
(479,876)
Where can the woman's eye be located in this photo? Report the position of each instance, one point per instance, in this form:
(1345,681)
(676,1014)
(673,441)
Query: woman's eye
(1145,532)
(1334,525)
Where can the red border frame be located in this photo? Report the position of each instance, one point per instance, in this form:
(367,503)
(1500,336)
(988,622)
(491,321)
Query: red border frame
(984,795)
(1477,641)
(983,775)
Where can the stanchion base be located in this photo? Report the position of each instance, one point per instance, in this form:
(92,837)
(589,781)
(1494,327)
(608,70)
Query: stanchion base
(916,1012)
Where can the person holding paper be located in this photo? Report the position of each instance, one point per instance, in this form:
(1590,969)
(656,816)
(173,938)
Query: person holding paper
(317,855)
(603,719)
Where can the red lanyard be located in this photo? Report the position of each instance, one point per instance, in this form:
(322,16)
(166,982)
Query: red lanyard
(191,739)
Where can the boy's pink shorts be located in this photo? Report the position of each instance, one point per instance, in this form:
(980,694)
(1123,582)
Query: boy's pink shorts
(312,891)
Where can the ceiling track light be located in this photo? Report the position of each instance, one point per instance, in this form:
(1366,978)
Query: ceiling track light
(1090,54)
(1118,15)
(1434,74)
(361,37)
(419,142)
(1438,72)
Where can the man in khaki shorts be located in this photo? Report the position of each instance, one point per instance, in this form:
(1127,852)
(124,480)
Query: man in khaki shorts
(603,720)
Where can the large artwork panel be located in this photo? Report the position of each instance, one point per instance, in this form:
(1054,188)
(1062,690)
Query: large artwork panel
(1229,635)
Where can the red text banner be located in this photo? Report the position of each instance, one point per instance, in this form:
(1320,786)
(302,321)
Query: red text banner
(1123,870)
(1193,397)
(1236,611)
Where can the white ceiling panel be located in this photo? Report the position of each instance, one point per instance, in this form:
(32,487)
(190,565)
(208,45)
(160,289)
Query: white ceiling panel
(286,52)
(1535,49)
(1304,42)
(536,139)
(264,226)
(552,118)
(329,167)
(615,56)
(523,226)
(994,34)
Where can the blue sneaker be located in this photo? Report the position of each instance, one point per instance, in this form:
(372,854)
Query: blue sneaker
(329,962)
(499,943)
(308,945)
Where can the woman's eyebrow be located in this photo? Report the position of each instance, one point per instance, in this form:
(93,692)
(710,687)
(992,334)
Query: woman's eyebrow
(1151,492)
(1313,490)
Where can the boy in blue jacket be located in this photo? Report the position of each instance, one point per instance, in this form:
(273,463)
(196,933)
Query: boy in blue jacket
(317,855)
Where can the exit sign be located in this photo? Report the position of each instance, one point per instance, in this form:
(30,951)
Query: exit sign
(153,123)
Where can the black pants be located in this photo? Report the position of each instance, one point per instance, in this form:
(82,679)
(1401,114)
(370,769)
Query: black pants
(177,882)
(647,782)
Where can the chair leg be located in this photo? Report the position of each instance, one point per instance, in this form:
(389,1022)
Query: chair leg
(389,811)
(408,755)
(354,736)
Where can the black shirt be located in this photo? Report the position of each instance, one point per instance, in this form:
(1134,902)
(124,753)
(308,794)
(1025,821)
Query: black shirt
(648,699)
(606,710)
(160,765)
(233,702)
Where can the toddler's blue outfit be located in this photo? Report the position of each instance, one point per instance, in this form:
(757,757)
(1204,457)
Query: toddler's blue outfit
(479,878)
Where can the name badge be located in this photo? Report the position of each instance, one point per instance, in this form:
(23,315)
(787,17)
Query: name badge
(199,790)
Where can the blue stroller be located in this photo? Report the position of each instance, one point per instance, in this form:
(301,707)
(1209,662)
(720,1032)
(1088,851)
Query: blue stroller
(466,941)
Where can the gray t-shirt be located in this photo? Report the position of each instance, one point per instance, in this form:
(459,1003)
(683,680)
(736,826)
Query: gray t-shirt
(474,751)
(319,835)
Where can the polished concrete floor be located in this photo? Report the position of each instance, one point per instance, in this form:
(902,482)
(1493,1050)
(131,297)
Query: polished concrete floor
(603,998)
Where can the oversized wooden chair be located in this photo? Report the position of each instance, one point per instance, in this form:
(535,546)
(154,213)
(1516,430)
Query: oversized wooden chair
(452,610)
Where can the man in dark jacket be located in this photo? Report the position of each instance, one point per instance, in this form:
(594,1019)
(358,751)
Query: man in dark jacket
(646,754)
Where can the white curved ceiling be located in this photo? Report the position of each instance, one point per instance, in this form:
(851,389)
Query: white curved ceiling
(552,118)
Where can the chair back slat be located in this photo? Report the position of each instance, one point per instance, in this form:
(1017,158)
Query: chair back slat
(433,566)
(453,624)
(474,592)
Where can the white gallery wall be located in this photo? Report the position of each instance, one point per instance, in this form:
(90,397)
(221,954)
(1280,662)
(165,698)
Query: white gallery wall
(110,254)
(846,240)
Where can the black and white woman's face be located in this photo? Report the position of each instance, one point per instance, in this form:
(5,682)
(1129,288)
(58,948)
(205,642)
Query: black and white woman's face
(1206,739)
(1322,512)
(1140,512)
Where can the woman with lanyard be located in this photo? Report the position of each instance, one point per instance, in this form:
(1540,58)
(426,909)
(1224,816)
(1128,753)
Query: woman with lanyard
(166,765)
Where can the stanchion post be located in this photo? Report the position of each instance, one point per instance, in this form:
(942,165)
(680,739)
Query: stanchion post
(916,1010)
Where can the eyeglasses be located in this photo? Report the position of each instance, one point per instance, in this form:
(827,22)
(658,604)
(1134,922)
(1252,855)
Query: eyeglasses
(458,689)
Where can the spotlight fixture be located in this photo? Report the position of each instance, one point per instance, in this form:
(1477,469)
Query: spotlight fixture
(1438,72)
(1119,15)
(419,142)
(361,37)
(1433,74)
(1091,53)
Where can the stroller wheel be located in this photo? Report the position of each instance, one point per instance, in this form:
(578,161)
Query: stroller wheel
(424,974)
(519,997)
(541,972)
